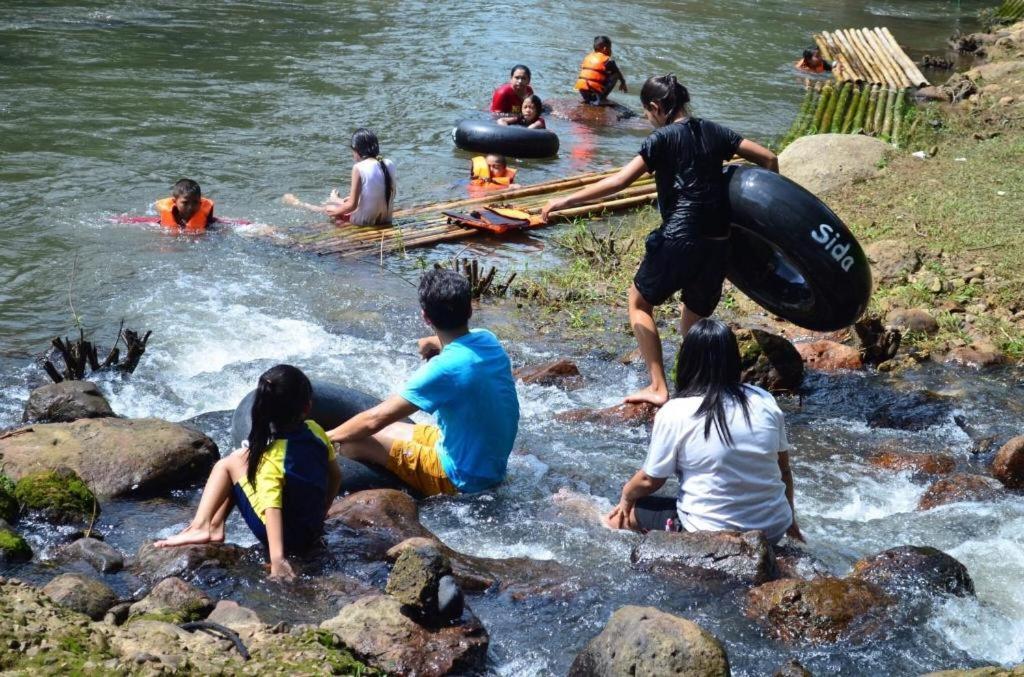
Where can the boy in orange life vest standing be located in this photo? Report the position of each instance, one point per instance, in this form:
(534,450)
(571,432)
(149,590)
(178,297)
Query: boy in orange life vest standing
(599,73)
(186,209)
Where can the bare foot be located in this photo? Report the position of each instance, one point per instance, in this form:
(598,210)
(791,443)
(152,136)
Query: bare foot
(290,199)
(648,394)
(190,536)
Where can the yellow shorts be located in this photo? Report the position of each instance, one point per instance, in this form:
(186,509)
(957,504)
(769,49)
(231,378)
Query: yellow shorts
(417,464)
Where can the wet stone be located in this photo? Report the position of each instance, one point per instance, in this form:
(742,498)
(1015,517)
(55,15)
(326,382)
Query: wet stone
(562,373)
(928,464)
(792,668)
(101,556)
(627,413)
(745,556)
(769,361)
(829,356)
(912,411)
(174,601)
(1008,465)
(415,578)
(910,568)
(961,487)
(66,401)
(157,563)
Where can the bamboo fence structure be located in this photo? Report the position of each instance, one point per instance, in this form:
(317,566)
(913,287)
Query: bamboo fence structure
(1011,10)
(854,108)
(425,225)
(871,55)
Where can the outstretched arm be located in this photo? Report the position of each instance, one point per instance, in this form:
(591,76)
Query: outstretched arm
(373,420)
(758,154)
(787,478)
(607,186)
(279,566)
(639,485)
(333,482)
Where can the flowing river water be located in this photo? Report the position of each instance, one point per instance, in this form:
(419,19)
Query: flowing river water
(105,104)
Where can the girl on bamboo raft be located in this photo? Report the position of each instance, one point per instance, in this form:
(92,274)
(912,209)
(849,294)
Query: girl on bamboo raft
(689,252)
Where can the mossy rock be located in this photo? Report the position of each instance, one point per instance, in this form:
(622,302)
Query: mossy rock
(13,547)
(59,495)
(8,503)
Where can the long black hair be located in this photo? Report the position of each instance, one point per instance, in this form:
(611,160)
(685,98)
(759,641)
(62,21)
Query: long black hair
(665,90)
(283,395)
(708,366)
(365,143)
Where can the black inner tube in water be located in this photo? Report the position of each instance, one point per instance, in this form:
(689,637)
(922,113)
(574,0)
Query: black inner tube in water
(486,136)
(791,254)
(333,404)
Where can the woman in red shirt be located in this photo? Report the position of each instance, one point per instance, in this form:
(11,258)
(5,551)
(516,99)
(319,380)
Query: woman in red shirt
(508,99)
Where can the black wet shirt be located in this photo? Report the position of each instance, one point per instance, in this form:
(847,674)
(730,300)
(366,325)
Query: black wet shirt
(686,158)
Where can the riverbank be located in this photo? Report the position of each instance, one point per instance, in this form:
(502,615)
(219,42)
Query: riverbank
(940,220)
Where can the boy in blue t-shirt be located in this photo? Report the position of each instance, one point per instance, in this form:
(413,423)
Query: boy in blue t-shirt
(466,382)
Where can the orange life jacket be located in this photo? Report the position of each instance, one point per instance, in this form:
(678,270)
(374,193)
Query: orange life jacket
(199,220)
(593,73)
(820,68)
(481,174)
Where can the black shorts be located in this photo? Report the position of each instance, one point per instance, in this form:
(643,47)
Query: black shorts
(653,512)
(693,266)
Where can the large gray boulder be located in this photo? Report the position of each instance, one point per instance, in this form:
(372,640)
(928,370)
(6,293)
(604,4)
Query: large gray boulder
(66,401)
(645,641)
(824,163)
(82,594)
(746,556)
(114,456)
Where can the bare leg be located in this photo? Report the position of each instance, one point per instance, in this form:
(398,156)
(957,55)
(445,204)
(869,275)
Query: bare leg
(375,449)
(641,317)
(208,524)
(688,319)
(292,200)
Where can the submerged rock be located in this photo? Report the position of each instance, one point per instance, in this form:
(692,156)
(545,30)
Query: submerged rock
(746,556)
(627,413)
(769,361)
(990,671)
(1008,465)
(376,629)
(563,373)
(13,548)
(961,487)
(911,568)
(98,554)
(154,563)
(645,641)
(58,495)
(913,411)
(793,560)
(792,668)
(824,163)
(820,610)
(82,594)
(829,356)
(172,600)
(928,464)
(415,581)
(66,401)
(115,456)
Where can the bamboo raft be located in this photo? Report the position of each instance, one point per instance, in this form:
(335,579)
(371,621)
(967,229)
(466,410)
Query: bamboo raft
(854,108)
(869,55)
(1011,10)
(425,225)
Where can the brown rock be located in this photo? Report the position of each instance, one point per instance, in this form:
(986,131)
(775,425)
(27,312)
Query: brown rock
(977,355)
(892,260)
(174,599)
(627,413)
(962,487)
(645,641)
(932,93)
(912,319)
(377,631)
(929,464)
(389,511)
(82,594)
(829,356)
(114,456)
(100,555)
(792,668)
(908,569)
(414,579)
(820,610)
(66,401)
(563,373)
(769,361)
(232,615)
(1008,465)
(795,561)
(157,563)
(746,556)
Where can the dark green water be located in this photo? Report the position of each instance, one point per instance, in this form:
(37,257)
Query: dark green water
(103,105)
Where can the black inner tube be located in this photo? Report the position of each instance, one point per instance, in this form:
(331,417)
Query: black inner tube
(513,140)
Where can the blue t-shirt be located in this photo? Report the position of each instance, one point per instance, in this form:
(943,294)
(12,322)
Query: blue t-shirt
(469,387)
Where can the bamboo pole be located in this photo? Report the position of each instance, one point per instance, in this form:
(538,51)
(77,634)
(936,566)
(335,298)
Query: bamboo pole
(827,93)
(898,77)
(851,113)
(883,94)
(869,116)
(808,117)
(835,121)
(798,121)
(878,74)
(898,113)
(858,120)
(913,72)
(850,73)
(823,47)
(890,104)
(853,56)
(898,57)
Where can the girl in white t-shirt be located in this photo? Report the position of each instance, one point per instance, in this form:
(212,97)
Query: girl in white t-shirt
(724,441)
(371,196)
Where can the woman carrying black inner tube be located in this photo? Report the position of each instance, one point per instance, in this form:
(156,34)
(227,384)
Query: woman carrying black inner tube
(725,442)
(689,252)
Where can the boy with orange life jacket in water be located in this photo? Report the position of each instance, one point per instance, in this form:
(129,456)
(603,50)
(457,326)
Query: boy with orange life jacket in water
(812,62)
(599,73)
(491,172)
(186,209)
